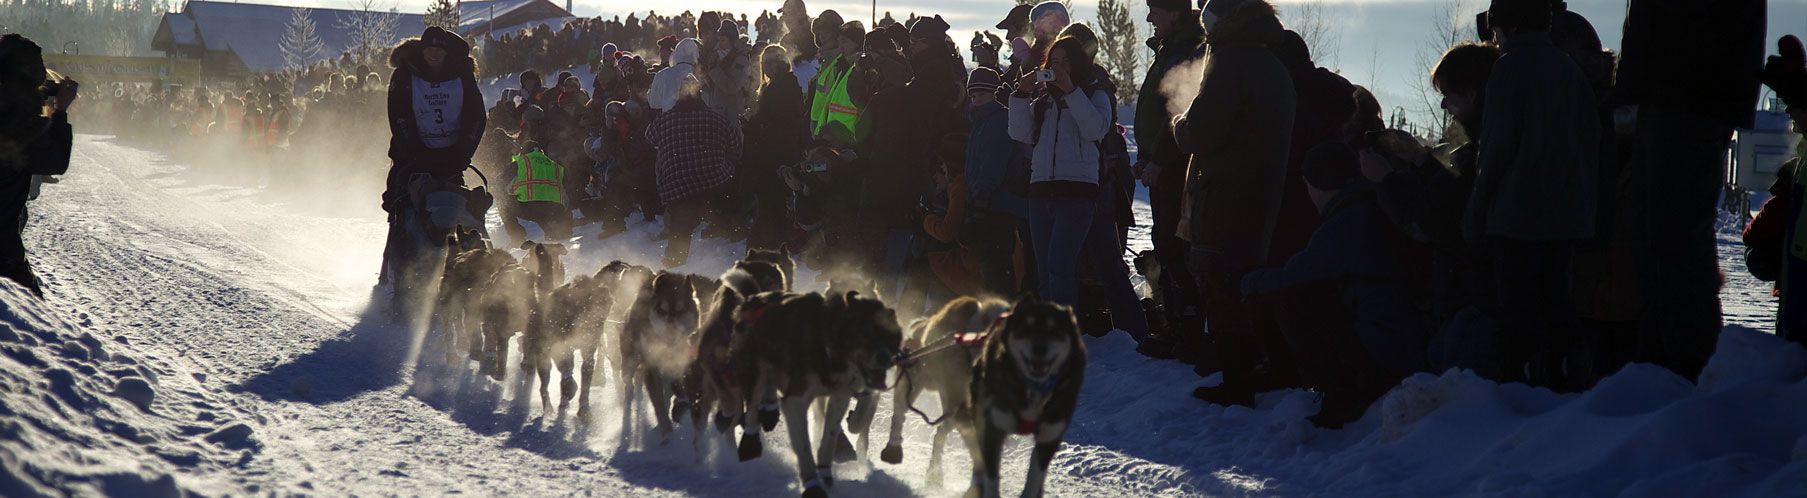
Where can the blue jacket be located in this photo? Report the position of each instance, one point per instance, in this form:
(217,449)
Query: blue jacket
(1359,248)
(992,159)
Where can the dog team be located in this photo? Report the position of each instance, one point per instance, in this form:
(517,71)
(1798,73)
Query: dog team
(745,350)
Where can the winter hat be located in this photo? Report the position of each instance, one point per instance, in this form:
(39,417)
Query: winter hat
(1170,5)
(15,53)
(1331,166)
(1292,51)
(668,42)
(608,52)
(1019,16)
(983,78)
(1048,7)
(790,5)
(454,45)
(728,29)
(853,31)
(877,41)
(929,28)
(1212,11)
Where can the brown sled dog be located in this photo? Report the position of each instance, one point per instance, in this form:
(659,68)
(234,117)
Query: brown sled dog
(946,367)
(709,384)
(470,264)
(810,348)
(1025,381)
(655,345)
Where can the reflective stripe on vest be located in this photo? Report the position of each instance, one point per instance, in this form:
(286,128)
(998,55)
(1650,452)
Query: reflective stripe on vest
(832,104)
(538,179)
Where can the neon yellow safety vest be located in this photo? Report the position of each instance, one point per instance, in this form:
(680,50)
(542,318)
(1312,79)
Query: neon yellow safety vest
(832,105)
(538,179)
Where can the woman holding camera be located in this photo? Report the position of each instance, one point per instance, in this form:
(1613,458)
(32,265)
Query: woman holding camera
(31,143)
(1063,122)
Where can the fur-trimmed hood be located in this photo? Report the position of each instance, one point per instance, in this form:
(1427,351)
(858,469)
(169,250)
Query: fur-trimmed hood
(1253,23)
(406,56)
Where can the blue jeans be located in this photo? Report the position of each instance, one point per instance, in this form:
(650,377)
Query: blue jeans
(1104,257)
(1057,231)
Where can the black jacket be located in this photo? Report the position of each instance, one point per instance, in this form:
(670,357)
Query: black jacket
(1702,56)
(1239,131)
(405,146)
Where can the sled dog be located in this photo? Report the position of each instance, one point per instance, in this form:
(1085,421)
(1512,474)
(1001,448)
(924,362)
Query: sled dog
(1025,381)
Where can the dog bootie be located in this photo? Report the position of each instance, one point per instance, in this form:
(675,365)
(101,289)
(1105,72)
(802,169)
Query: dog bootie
(750,447)
(724,422)
(892,454)
(768,418)
(567,388)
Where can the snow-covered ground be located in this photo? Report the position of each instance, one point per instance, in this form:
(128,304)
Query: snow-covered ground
(212,339)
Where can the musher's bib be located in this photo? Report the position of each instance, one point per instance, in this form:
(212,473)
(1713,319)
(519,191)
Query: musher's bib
(436,108)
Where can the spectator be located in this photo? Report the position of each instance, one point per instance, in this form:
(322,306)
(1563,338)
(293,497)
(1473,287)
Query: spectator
(1534,193)
(1349,283)
(30,144)
(834,115)
(991,165)
(697,148)
(1687,93)
(724,69)
(1161,166)
(540,195)
(1239,130)
(777,131)
(1063,123)
(666,85)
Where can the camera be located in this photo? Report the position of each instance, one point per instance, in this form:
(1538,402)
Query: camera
(815,167)
(1045,75)
(52,87)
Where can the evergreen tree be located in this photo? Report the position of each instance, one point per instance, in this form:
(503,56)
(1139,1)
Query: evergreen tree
(444,14)
(1119,47)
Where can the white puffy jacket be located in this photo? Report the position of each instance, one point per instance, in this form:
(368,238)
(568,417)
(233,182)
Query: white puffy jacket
(663,94)
(1071,126)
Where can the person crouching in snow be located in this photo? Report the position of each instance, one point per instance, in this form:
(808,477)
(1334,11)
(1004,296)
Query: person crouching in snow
(539,195)
(436,119)
(1352,278)
(697,150)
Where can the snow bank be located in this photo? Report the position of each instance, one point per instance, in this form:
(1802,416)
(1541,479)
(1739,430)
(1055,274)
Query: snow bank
(1641,432)
(82,415)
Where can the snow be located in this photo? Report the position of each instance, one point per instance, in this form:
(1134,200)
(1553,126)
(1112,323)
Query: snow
(212,339)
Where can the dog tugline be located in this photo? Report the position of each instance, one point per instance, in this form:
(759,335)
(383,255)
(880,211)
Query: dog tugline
(730,355)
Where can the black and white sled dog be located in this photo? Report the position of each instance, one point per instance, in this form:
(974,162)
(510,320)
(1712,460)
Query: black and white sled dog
(655,343)
(1025,381)
(946,343)
(809,348)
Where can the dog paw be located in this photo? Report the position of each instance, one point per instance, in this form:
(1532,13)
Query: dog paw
(724,423)
(892,454)
(750,447)
(815,492)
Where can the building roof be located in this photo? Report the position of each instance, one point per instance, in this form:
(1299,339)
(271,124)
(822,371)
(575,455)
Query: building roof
(252,31)
(477,17)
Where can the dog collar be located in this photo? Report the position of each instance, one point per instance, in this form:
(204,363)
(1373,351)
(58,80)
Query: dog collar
(1043,387)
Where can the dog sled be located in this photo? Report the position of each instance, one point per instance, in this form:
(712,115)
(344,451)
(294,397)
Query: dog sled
(415,256)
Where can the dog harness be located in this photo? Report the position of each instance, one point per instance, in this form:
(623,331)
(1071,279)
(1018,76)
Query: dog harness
(1042,390)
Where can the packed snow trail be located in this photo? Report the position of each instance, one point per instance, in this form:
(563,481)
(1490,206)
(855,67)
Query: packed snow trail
(236,319)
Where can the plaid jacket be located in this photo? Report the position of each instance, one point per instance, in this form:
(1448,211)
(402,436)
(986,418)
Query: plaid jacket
(697,151)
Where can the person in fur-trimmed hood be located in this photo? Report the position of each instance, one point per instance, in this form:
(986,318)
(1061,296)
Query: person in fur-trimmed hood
(436,114)
(1239,132)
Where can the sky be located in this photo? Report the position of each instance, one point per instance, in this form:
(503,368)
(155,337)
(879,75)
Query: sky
(1380,47)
